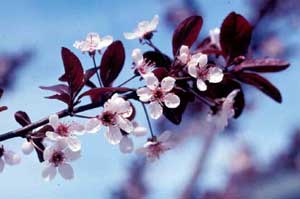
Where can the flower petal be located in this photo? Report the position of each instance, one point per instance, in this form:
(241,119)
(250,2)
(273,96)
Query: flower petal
(48,152)
(151,81)
(165,136)
(130,35)
(72,155)
(137,56)
(200,59)
(73,143)
(49,172)
(126,145)
(192,70)
(201,85)
(27,147)
(52,136)
(76,128)
(11,158)
(155,110)
(105,41)
(66,171)
(171,100)
(125,124)
(139,131)
(54,120)
(153,24)
(144,94)
(92,125)
(215,75)
(113,135)
(167,84)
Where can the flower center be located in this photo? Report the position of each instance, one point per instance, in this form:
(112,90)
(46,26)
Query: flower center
(155,150)
(158,94)
(57,158)
(62,130)
(202,72)
(108,118)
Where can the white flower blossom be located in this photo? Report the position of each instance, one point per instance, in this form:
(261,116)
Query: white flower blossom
(93,42)
(126,144)
(158,94)
(57,158)
(140,65)
(27,147)
(197,68)
(143,29)
(214,35)
(226,112)
(8,157)
(157,146)
(65,131)
(115,117)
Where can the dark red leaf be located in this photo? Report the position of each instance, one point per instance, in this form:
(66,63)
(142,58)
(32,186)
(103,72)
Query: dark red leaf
(3,108)
(260,83)
(22,118)
(97,93)
(59,88)
(160,60)
(160,73)
(262,65)
(112,62)
(61,97)
(73,71)
(235,36)
(186,32)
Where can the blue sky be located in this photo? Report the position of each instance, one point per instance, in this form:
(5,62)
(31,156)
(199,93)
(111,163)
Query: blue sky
(46,26)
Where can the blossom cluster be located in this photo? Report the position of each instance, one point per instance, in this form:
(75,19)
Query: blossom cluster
(168,85)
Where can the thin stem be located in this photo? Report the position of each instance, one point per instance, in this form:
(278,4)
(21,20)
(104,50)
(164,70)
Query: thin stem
(148,119)
(82,116)
(149,42)
(202,99)
(125,82)
(96,68)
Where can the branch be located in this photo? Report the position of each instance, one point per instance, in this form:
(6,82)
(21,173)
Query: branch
(22,132)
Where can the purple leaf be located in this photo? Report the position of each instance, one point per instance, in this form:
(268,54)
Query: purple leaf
(73,71)
(96,94)
(186,32)
(260,83)
(112,62)
(262,65)
(22,118)
(235,36)
(59,88)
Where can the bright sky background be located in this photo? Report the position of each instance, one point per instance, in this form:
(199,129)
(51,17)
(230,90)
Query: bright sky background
(46,26)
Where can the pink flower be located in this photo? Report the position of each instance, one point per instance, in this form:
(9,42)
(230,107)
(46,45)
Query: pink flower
(27,147)
(157,146)
(214,35)
(197,68)
(220,119)
(126,144)
(158,94)
(8,157)
(144,29)
(67,132)
(140,65)
(57,157)
(93,42)
(115,117)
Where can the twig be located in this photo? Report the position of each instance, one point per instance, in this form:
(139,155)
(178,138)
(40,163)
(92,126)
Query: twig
(98,75)
(22,132)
